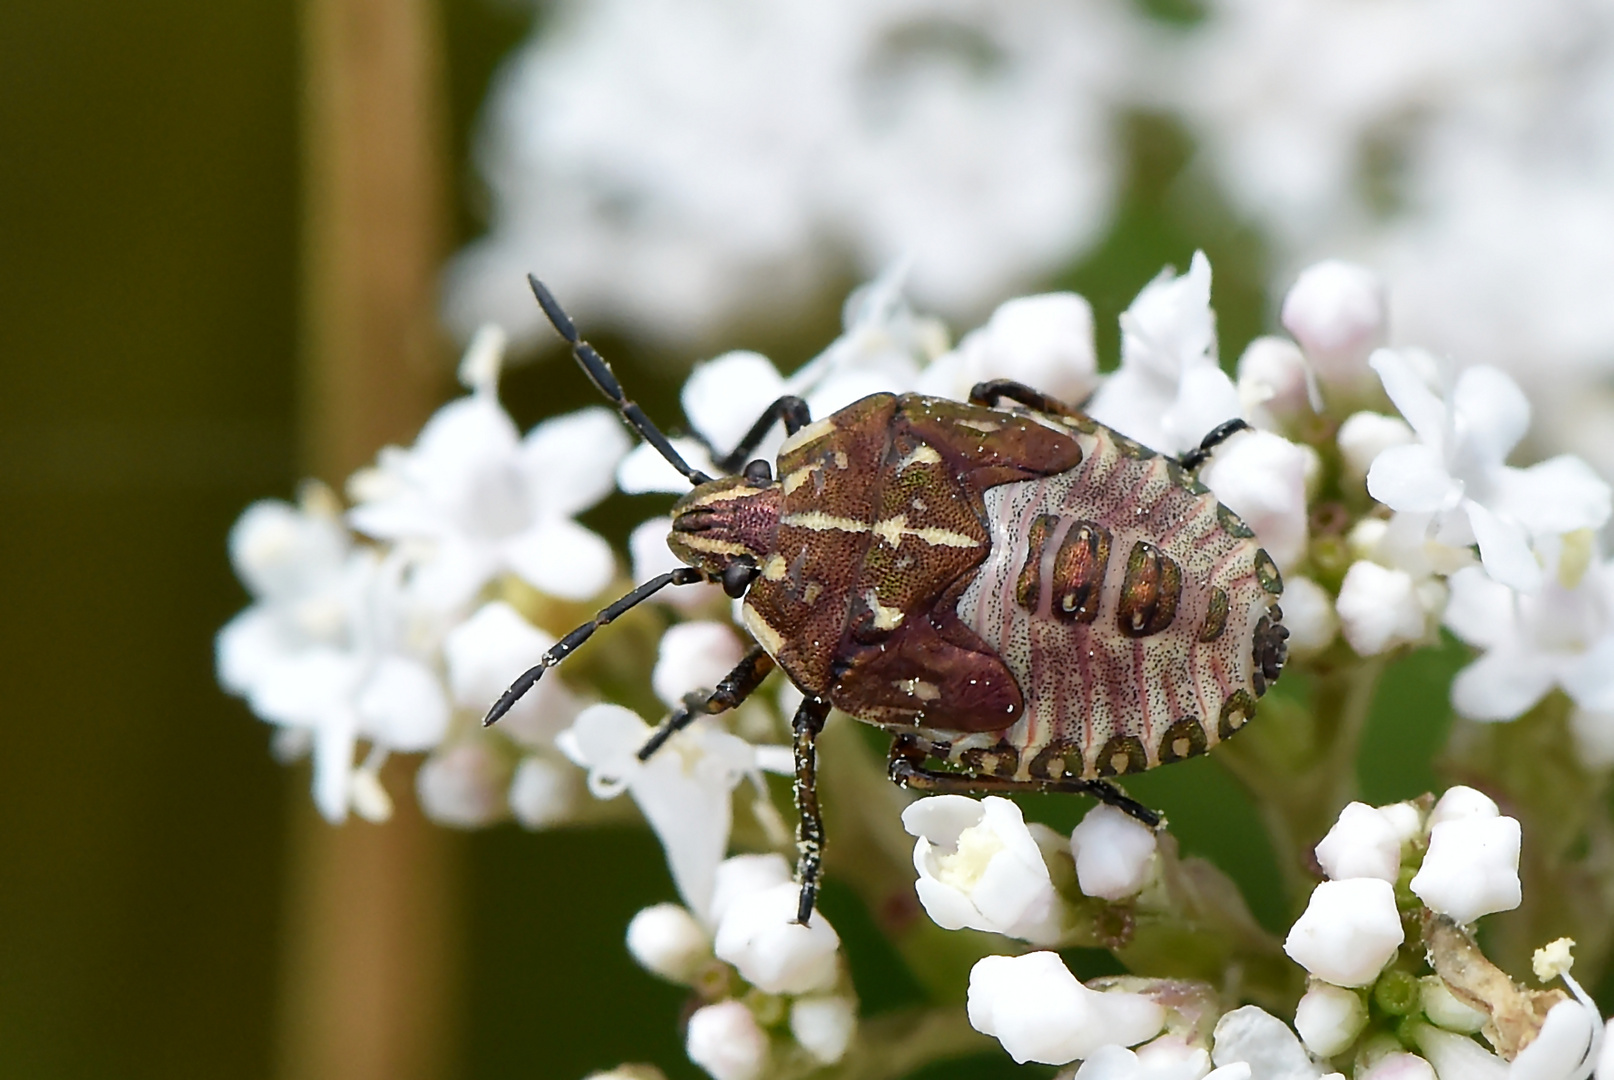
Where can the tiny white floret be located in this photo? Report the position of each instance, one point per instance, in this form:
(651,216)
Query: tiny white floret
(823,1026)
(1445,1009)
(1362,843)
(1380,608)
(1038,1010)
(1114,853)
(1336,310)
(1329,1018)
(760,936)
(668,941)
(1399,1065)
(694,656)
(1349,931)
(1471,868)
(980,867)
(1263,1044)
(725,1040)
(1308,612)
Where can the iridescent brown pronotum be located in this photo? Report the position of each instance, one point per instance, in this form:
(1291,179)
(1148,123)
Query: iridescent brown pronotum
(1026,599)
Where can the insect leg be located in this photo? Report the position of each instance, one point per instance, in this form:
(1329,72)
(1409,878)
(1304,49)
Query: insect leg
(1219,434)
(684,575)
(599,372)
(736,686)
(906,767)
(790,408)
(993,391)
(809,721)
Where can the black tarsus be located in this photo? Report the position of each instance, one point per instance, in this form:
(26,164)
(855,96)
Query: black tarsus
(1219,434)
(906,767)
(736,686)
(684,575)
(806,725)
(600,374)
(991,392)
(789,408)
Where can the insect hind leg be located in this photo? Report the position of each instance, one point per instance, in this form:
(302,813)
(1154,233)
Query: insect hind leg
(906,768)
(734,688)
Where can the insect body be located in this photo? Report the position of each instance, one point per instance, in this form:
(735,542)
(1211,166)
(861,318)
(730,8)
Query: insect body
(1027,597)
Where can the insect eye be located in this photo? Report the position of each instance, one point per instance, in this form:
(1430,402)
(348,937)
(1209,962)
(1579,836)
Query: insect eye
(759,473)
(737,577)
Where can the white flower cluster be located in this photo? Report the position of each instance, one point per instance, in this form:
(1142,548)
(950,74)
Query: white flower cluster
(748,929)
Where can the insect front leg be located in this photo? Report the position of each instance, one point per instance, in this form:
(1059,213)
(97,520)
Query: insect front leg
(994,391)
(809,721)
(1219,434)
(735,687)
(790,408)
(906,765)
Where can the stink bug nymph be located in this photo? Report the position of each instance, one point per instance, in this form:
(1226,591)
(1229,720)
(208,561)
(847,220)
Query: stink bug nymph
(1026,599)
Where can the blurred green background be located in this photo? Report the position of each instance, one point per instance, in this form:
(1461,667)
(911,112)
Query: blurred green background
(149,335)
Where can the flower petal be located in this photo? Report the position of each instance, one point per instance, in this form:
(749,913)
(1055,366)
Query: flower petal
(1559,495)
(1411,396)
(1482,611)
(402,705)
(1504,549)
(570,461)
(562,558)
(724,396)
(1411,478)
(1490,414)
(1501,685)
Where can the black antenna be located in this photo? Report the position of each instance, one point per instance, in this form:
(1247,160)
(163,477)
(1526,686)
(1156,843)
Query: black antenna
(599,372)
(563,648)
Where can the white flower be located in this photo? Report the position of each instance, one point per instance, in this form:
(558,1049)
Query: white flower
(1457,1057)
(1471,868)
(683,790)
(1349,931)
(487,650)
(1256,1038)
(1114,853)
(1568,1044)
(694,656)
(1399,1065)
(726,1041)
(1262,478)
(647,547)
(463,784)
(1456,470)
(1042,341)
(1168,392)
(1336,311)
(1364,842)
(741,875)
(1380,608)
(1163,1059)
(1365,435)
(980,867)
(544,793)
(1557,636)
(667,940)
(1461,802)
(1308,612)
(485,501)
(347,661)
(1444,1009)
(760,936)
(1037,1009)
(824,1026)
(1274,384)
(680,165)
(1329,1018)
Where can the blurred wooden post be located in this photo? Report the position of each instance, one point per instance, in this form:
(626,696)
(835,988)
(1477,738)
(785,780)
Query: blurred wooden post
(369,989)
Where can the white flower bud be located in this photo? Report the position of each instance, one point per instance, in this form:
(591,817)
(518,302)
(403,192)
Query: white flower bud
(483,652)
(1166,1058)
(544,793)
(1037,1009)
(1457,1057)
(1399,1065)
(1336,311)
(823,1026)
(1273,382)
(725,1040)
(1379,608)
(1445,1009)
(1349,931)
(694,656)
(1114,853)
(980,867)
(1593,732)
(1308,612)
(1605,1058)
(742,875)
(1405,818)
(463,785)
(633,1071)
(1262,478)
(1365,435)
(666,940)
(1044,341)
(1471,868)
(1329,1018)
(1362,843)
(1263,1043)
(1460,802)
(1565,1046)
(759,935)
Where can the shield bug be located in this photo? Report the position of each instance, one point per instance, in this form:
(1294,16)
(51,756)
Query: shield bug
(1023,597)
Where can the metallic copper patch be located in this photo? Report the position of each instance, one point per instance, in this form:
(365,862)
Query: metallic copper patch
(1266,572)
(999,760)
(1079,567)
(1028,588)
(1122,754)
(1236,712)
(1055,762)
(1149,592)
(1131,448)
(1216,617)
(1184,739)
(1232,524)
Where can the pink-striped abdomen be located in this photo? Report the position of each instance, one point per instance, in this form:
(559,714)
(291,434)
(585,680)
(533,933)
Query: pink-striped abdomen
(1136,613)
